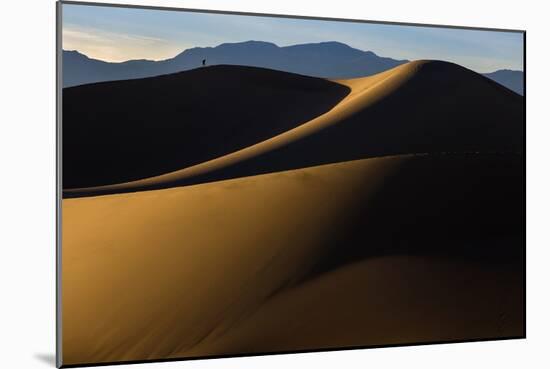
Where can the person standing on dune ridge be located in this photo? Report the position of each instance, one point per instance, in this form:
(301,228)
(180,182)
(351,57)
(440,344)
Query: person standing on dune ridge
(203,62)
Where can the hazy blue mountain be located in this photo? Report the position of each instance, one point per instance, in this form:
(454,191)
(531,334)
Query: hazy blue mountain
(513,79)
(78,69)
(325,59)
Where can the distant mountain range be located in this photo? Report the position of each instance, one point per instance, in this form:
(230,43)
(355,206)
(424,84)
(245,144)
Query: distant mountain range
(326,59)
(513,79)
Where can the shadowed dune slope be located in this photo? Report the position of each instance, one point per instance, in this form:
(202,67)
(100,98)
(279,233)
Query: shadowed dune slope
(164,285)
(121,131)
(418,107)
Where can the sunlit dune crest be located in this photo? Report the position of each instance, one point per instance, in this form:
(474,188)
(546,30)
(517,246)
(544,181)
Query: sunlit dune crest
(384,114)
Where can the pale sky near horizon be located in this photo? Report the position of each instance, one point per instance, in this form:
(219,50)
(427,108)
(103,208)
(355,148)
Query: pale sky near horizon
(120,34)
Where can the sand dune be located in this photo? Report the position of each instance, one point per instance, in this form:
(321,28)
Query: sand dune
(382,301)
(418,107)
(145,127)
(436,244)
(385,210)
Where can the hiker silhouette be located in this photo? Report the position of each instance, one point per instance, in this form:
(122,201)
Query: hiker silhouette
(203,62)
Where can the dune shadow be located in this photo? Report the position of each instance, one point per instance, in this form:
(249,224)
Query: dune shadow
(468,207)
(147,127)
(442,107)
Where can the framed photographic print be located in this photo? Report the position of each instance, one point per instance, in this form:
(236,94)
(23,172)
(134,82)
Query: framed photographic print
(238,184)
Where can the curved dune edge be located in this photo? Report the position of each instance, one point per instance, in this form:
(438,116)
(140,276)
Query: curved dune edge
(364,92)
(215,268)
(161,279)
(142,128)
(386,300)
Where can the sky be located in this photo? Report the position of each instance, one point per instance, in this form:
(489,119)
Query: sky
(120,34)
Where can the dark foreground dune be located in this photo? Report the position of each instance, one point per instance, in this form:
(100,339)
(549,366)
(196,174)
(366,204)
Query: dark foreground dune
(145,127)
(411,248)
(418,107)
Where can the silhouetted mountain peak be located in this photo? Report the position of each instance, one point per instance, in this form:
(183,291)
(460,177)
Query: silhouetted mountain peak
(75,53)
(512,79)
(329,46)
(506,71)
(191,51)
(335,44)
(250,43)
